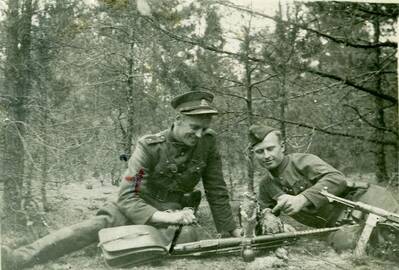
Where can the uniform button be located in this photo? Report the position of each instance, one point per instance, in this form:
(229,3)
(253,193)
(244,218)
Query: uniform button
(182,153)
(301,187)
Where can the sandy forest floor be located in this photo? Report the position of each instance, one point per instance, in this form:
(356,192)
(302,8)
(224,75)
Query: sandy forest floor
(75,203)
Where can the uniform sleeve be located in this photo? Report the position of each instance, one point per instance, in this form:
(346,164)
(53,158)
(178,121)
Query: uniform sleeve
(129,201)
(322,176)
(268,192)
(216,191)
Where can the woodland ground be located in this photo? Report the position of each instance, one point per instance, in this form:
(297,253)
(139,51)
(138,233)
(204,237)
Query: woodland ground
(74,203)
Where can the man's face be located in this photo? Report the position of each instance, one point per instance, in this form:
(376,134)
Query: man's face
(270,152)
(189,128)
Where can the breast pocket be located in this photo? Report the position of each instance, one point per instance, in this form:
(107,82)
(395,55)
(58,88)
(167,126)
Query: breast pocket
(300,186)
(197,167)
(191,176)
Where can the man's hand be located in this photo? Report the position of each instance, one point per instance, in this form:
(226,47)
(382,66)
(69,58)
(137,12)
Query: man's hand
(290,205)
(236,232)
(270,223)
(184,217)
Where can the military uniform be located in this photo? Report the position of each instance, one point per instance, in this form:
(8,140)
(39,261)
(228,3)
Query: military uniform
(161,171)
(307,174)
(172,169)
(304,174)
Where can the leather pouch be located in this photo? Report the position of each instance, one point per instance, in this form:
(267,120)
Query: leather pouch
(132,245)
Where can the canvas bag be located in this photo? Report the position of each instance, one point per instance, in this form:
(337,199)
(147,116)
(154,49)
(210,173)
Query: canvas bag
(133,245)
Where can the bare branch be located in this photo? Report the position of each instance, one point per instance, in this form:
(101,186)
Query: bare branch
(367,45)
(313,91)
(353,84)
(237,55)
(364,119)
(379,13)
(224,94)
(262,81)
(323,130)
(191,41)
(223,78)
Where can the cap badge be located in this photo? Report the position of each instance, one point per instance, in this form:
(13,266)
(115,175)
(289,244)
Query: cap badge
(204,102)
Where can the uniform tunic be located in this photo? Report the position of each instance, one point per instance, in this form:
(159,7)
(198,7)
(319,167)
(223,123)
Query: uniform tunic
(304,174)
(162,169)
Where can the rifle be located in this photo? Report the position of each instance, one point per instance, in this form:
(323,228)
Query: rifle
(375,215)
(243,245)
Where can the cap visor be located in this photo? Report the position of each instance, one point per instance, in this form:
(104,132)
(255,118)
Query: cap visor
(200,111)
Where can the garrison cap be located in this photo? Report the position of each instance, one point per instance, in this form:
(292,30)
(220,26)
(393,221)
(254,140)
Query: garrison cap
(194,103)
(258,132)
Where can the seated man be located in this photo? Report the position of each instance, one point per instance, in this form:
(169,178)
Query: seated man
(292,185)
(162,169)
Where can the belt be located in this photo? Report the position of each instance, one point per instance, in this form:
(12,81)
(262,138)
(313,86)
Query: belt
(163,195)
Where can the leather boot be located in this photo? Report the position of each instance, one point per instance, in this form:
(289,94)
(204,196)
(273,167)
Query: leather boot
(7,261)
(54,245)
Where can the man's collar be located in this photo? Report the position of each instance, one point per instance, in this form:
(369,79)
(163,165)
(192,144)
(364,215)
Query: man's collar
(279,170)
(170,136)
(171,139)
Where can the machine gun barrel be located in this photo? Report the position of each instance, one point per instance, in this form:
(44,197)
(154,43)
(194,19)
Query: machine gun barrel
(216,245)
(362,207)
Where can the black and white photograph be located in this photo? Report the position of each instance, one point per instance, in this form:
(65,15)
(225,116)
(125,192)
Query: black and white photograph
(199,134)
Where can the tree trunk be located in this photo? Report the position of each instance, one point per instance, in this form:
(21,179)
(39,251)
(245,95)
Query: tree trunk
(17,88)
(250,121)
(379,134)
(44,164)
(130,99)
(280,30)
(283,106)
(43,82)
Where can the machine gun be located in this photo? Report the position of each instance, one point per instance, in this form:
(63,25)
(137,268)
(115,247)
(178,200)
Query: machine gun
(133,245)
(245,246)
(375,215)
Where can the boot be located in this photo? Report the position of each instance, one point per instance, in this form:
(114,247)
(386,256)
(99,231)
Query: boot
(7,261)
(54,245)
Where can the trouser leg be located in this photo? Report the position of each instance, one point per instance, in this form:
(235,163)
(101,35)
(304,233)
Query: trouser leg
(65,240)
(57,244)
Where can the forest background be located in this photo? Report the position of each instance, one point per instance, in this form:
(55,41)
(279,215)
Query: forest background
(81,81)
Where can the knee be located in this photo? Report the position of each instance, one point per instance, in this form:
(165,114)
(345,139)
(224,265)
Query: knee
(112,216)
